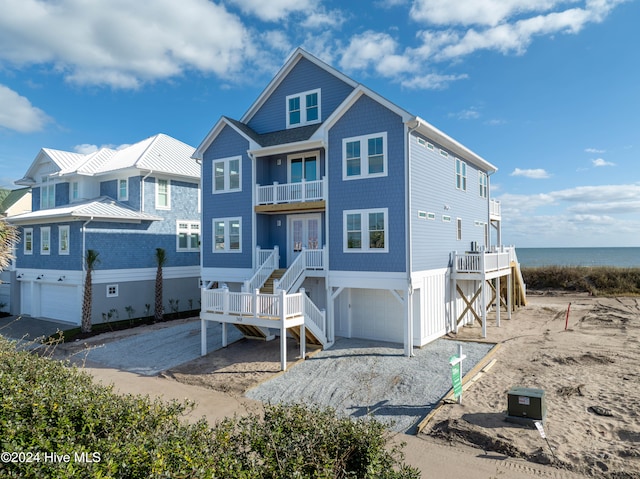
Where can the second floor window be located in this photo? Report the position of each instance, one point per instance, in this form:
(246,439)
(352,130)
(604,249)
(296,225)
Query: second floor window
(188,236)
(63,240)
(227,175)
(227,233)
(45,240)
(364,156)
(28,241)
(163,194)
(366,231)
(75,190)
(303,108)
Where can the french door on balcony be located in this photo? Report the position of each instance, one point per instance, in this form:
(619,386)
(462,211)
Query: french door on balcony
(304,166)
(304,231)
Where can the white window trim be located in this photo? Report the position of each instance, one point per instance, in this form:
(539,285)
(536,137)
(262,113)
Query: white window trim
(227,176)
(44,229)
(364,156)
(303,108)
(74,191)
(47,185)
(303,156)
(116,291)
(123,197)
(227,243)
(168,207)
(61,229)
(483,183)
(189,231)
(28,231)
(462,174)
(364,225)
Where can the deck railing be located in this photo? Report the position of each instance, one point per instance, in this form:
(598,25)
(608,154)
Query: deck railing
(263,306)
(268,261)
(495,208)
(482,262)
(307,259)
(291,192)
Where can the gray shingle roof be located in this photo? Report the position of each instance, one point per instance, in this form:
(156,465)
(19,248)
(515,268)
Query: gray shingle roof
(282,137)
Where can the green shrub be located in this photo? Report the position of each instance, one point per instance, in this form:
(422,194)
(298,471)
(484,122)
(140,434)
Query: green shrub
(47,407)
(598,280)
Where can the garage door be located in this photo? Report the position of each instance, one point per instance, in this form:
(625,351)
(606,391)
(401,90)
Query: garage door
(60,302)
(25,298)
(376,314)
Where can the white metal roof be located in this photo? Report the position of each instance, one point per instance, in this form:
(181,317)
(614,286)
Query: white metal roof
(102,209)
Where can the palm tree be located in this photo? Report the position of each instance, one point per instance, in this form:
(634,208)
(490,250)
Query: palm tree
(8,238)
(91,260)
(161,259)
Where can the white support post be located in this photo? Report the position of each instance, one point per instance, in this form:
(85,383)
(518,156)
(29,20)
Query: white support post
(225,338)
(483,305)
(276,256)
(509,295)
(303,192)
(303,341)
(283,331)
(254,302)
(275,193)
(225,301)
(498,301)
(203,337)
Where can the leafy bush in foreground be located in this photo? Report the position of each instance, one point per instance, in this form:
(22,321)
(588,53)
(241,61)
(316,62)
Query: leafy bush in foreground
(47,407)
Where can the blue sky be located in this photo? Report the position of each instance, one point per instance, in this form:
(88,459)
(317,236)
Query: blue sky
(547,90)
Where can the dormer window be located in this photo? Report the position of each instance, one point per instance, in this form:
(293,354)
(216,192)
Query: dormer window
(123,190)
(303,108)
(47,193)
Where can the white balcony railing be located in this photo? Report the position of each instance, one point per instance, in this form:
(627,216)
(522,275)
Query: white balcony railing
(481,262)
(291,192)
(495,209)
(268,261)
(307,259)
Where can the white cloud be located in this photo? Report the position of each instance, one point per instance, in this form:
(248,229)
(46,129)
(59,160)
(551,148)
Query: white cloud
(273,10)
(594,150)
(468,114)
(122,43)
(432,81)
(600,162)
(18,114)
(87,148)
(375,50)
(536,174)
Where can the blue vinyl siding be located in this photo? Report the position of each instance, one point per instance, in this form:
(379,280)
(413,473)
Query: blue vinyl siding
(70,262)
(62,194)
(227,205)
(269,234)
(433,188)
(303,77)
(365,117)
(35,199)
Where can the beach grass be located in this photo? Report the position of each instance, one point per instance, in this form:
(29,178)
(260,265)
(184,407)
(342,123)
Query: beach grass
(596,280)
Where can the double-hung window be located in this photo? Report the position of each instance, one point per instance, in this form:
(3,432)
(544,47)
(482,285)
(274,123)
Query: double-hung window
(482,183)
(163,194)
(364,156)
(63,239)
(461,175)
(75,191)
(227,234)
(28,241)
(45,240)
(366,231)
(47,193)
(303,108)
(123,189)
(227,175)
(188,236)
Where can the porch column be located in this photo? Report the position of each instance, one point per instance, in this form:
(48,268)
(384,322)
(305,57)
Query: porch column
(483,305)
(225,339)
(498,301)
(509,294)
(283,332)
(203,337)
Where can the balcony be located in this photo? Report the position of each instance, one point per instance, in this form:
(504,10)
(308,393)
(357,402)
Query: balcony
(495,210)
(483,264)
(285,197)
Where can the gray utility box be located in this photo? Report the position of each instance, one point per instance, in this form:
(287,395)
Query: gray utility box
(526,405)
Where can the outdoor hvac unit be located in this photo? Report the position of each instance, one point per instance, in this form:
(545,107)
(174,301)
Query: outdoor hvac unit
(526,405)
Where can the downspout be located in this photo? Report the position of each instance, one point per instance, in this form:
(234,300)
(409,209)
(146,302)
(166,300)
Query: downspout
(408,300)
(201,206)
(254,233)
(142,189)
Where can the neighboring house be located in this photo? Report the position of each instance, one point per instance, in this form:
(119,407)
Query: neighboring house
(12,202)
(325,185)
(123,204)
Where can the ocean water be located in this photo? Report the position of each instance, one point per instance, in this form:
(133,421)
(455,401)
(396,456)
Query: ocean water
(619,257)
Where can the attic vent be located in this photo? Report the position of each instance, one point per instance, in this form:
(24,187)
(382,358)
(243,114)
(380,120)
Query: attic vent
(430,146)
(422,142)
(431,216)
(444,153)
(446,218)
(422,215)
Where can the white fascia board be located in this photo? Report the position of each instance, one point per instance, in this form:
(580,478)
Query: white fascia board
(446,141)
(214,132)
(101,276)
(288,148)
(368,280)
(293,59)
(353,97)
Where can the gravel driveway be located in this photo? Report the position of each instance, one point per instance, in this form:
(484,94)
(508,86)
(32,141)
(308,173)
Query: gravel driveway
(360,377)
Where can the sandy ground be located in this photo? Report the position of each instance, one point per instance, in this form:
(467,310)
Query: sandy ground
(593,367)
(590,374)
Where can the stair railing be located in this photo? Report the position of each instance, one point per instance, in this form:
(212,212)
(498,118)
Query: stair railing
(307,259)
(268,261)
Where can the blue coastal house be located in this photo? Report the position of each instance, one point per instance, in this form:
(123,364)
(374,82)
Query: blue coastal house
(123,204)
(329,211)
